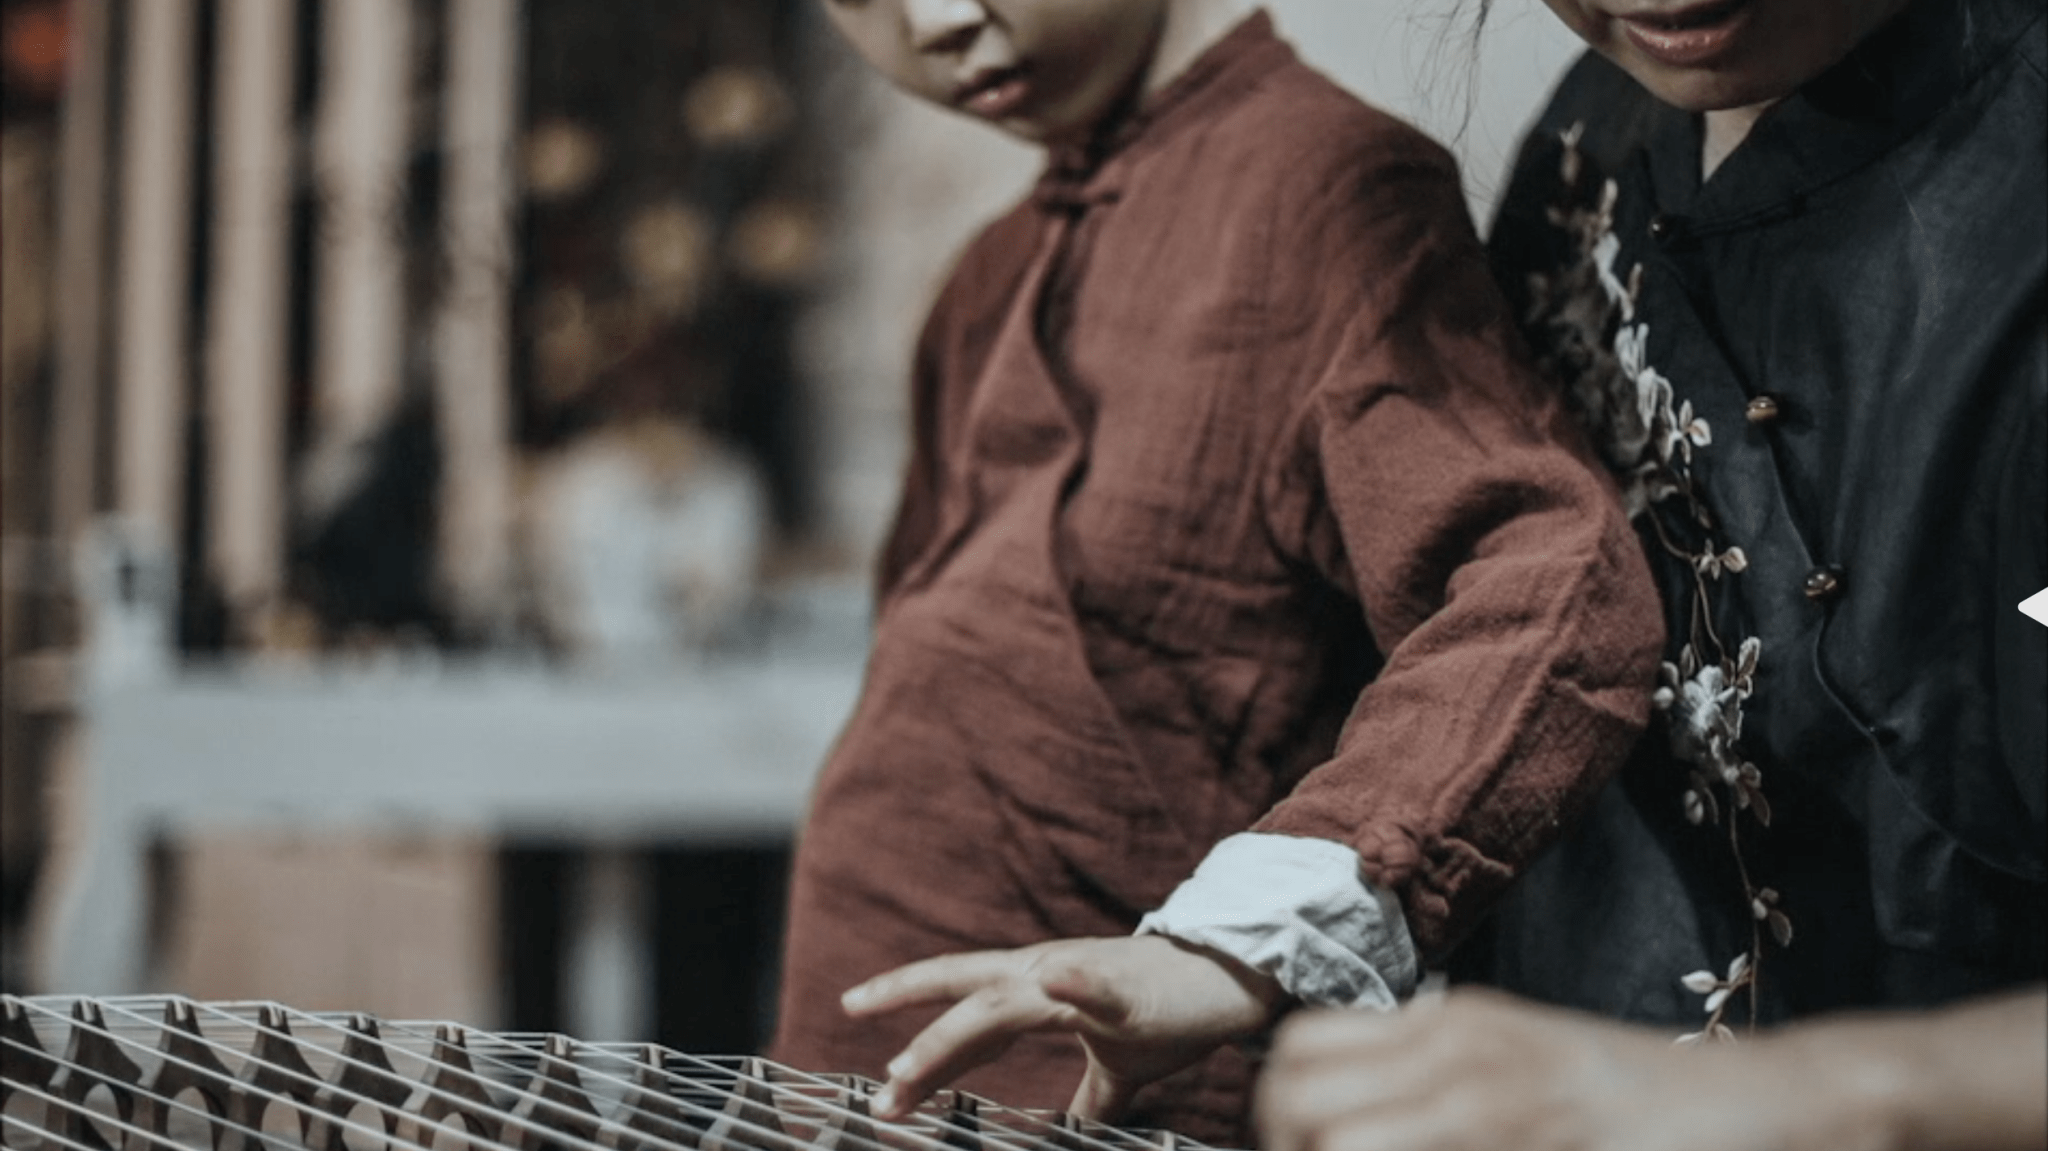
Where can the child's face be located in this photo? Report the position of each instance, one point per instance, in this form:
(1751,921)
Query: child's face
(1045,70)
(1705,55)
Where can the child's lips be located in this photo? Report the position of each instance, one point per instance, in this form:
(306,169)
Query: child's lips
(997,94)
(1688,36)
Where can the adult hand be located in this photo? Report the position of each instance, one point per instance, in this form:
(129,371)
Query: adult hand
(1483,1071)
(1143,1006)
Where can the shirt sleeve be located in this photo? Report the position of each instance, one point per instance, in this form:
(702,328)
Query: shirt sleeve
(1430,472)
(1299,911)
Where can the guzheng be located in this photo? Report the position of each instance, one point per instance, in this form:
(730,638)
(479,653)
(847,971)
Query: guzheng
(139,1073)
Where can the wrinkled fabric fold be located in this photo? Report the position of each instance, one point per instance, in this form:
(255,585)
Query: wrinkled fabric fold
(1220,419)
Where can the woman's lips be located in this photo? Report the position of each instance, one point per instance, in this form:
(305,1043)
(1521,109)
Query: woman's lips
(998,95)
(1689,36)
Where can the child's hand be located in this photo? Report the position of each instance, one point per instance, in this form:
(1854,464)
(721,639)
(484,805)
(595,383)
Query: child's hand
(1144,1007)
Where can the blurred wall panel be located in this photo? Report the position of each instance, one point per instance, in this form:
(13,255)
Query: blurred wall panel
(81,252)
(246,330)
(28,566)
(360,155)
(156,205)
(1475,88)
(375,922)
(79,322)
(473,376)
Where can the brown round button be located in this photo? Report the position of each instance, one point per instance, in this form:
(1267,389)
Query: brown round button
(1763,410)
(1665,226)
(1823,584)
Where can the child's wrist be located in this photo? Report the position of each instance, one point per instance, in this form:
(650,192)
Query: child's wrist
(1263,999)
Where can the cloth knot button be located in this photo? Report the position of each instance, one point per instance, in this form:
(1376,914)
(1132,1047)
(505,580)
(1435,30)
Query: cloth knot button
(1823,584)
(1763,410)
(1665,227)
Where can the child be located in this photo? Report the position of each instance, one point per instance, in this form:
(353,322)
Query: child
(1222,422)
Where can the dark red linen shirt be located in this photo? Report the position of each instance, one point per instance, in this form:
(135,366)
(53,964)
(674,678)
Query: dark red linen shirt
(1219,422)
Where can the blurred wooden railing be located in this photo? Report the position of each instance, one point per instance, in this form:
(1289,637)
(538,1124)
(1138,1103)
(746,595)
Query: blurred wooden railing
(150,403)
(128,309)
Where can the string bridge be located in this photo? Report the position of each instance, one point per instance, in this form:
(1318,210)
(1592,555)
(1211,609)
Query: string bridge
(144,1073)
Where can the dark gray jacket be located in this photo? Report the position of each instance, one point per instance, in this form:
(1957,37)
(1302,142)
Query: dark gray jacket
(1853,305)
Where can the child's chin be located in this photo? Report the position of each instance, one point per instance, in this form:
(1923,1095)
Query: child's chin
(1023,131)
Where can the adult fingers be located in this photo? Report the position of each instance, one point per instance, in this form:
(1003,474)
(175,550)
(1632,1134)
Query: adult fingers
(1301,1101)
(1313,1036)
(941,979)
(971,1032)
(1429,1129)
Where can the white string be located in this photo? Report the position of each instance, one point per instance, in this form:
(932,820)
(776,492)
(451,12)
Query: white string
(105,1119)
(47,1136)
(732,1068)
(172,1103)
(1081,1135)
(734,1125)
(936,1119)
(338,1115)
(933,1129)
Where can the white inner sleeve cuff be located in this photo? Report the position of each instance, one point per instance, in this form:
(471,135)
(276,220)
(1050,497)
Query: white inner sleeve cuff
(1299,910)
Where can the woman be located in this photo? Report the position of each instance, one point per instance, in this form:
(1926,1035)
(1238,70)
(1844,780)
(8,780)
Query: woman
(1788,257)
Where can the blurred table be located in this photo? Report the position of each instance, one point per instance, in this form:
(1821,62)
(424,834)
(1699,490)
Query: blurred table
(718,753)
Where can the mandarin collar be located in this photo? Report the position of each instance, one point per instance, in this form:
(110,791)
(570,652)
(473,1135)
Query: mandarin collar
(1929,56)
(1077,176)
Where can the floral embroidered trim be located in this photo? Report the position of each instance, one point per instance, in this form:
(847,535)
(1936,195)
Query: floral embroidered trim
(1585,319)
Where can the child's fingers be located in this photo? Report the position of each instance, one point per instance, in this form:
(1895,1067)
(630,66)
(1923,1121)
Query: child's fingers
(945,978)
(972,1032)
(1101,1096)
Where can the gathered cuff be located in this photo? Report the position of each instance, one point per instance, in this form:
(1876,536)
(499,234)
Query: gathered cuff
(1301,911)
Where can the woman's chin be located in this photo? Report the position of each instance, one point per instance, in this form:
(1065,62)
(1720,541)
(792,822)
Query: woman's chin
(1704,90)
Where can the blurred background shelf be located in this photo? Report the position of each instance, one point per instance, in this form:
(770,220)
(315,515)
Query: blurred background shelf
(727,749)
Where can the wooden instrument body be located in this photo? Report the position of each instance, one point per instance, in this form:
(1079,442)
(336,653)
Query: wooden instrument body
(160,1072)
